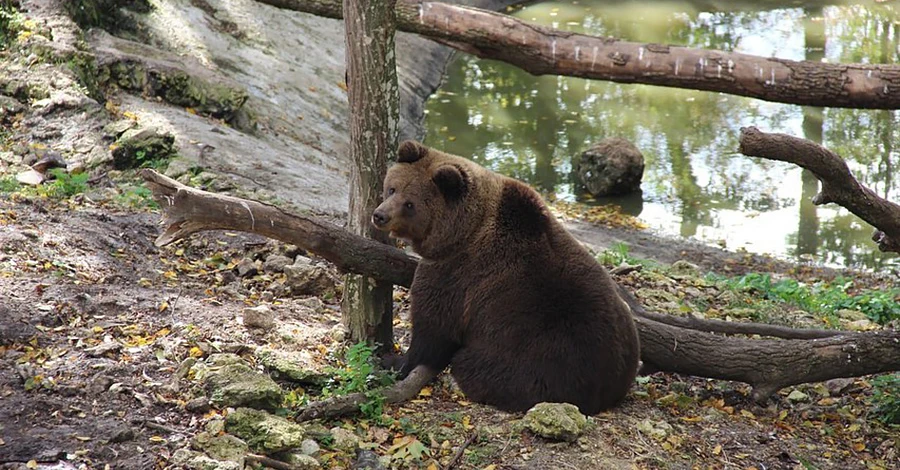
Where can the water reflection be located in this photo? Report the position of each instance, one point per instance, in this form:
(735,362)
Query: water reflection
(695,183)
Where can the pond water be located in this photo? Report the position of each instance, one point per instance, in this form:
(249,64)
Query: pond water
(695,183)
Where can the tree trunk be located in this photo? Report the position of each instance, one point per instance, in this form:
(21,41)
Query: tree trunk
(374,134)
(541,50)
(767,365)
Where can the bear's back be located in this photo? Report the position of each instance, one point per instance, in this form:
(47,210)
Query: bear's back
(543,321)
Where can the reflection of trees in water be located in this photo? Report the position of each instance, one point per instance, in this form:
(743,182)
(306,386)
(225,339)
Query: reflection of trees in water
(530,127)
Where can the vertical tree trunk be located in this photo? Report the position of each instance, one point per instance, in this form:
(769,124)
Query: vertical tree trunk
(374,132)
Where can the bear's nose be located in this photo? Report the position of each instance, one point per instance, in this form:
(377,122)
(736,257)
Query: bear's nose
(380,219)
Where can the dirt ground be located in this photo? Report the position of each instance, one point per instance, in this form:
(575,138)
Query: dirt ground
(79,276)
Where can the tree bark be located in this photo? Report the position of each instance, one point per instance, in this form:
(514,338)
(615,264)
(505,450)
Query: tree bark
(374,134)
(767,365)
(541,50)
(838,184)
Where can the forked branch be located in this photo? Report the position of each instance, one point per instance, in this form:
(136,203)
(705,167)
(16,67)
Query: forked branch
(838,184)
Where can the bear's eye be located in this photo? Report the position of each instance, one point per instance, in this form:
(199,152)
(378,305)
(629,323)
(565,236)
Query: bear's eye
(390,191)
(409,205)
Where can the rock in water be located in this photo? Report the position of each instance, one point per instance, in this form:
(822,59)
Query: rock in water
(613,166)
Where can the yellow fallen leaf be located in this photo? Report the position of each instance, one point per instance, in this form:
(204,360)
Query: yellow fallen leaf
(490,467)
(717,450)
(432,466)
(163,306)
(83,438)
(466,422)
(859,446)
(425,392)
(31,464)
(158,439)
(747,414)
(195,352)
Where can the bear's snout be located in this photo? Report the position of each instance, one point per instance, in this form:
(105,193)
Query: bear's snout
(380,218)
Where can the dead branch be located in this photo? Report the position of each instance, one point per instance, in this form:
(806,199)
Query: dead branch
(187,210)
(349,404)
(768,365)
(838,184)
(541,50)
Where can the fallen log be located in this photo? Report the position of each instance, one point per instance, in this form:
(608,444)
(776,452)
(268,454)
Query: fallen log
(541,50)
(766,364)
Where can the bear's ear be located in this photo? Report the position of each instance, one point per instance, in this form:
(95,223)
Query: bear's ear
(451,181)
(411,151)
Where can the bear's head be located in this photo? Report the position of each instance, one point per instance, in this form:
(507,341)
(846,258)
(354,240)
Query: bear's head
(428,200)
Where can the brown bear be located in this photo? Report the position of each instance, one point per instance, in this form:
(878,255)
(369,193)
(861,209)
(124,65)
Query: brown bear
(504,294)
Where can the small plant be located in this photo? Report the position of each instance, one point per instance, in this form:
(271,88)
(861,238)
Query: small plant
(616,255)
(8,184)
(12,23)
(64,184)
(886,398)
(137,197)
(360,375)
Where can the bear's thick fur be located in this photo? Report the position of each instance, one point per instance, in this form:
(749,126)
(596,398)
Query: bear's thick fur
(504,294)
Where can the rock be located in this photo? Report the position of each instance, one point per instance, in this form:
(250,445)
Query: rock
(367,460)
(234,383)
(838,386)
(189,459)
(247,268)
(76,168)
(121,433)
(30,177)
(309,447)
(275,263)
(225,447)
(556,421)
(307,279)
(860,325)
(851,315)
(178,166)
(260,316)
(215,426)
(658,430)
(299,461)
(797,396)
(344,440)
(116,128)
(263,432)
(139,146)
(199,405)
(611,167)
(296,366)
(684,268)
(10,106)
(338,333)
(313,303)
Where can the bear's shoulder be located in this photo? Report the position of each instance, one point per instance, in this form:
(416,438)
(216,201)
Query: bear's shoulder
(521,211)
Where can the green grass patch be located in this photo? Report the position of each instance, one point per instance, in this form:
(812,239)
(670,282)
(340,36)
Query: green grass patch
(881,306)
(886,398)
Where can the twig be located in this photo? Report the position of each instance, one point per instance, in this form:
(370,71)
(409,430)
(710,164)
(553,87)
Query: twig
(459,453)
(161,427)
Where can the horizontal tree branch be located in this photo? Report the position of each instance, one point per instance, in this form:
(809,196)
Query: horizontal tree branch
(767,364)
(187,210)
(541,50)
(838,183)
